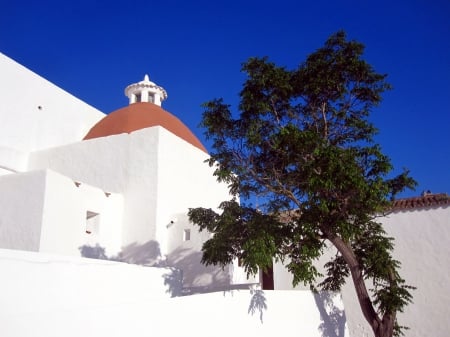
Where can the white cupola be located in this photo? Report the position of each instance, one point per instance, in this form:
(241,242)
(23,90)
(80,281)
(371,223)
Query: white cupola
(145,91)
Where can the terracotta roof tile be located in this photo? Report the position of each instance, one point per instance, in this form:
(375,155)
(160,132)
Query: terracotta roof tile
(424,201)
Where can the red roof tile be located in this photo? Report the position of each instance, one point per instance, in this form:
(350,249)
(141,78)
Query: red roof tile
(425,201)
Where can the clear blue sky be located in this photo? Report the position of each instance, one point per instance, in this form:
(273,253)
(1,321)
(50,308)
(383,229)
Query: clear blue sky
(194,49)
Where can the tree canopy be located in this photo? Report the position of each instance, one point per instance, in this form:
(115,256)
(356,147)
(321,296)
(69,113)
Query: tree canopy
(303,144)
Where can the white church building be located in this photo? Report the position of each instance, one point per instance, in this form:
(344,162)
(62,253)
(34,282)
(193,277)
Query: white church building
(74,179)
(76,183)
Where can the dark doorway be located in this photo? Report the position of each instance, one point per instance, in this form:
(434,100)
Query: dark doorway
(267,279)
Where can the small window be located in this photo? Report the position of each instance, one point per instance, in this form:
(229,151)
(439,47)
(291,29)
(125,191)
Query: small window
(138,98)
(92,222)
(187,235)
(150,97)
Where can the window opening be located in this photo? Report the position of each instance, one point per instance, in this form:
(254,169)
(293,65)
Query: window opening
(138,98)
(187,235)
(92,222)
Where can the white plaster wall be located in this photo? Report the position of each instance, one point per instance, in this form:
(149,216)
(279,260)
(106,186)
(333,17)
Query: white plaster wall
(422,246)
(140,194)
(43,285)
(64,217)
(4,171)
(35,114)
(45,211)
(12,160)
(186,181)
(160,177)
(101,162)
(44,295)
(126,164)
(21,210)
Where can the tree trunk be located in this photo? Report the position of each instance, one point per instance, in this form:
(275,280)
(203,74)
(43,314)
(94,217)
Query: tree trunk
(386,328)
(381,327)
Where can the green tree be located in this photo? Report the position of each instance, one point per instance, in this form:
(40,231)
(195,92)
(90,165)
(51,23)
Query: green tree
(304,145)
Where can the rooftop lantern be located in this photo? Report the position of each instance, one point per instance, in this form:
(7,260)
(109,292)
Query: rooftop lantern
(145,91)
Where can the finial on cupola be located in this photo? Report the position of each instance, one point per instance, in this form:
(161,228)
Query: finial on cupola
(145,91)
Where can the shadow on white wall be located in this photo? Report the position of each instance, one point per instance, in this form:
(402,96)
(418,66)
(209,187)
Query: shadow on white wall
(333,318)
(187,276)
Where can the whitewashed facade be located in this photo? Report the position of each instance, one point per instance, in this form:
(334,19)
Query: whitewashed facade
(421,229)
(123,195)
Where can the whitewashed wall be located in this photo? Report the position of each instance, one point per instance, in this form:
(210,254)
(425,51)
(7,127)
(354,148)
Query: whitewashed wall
(186,181)
(44,295)
(36,114)
(422,239)
(101,162)
(45,211)
(141,203)
(64,221)
(12,160)
(160,177)
(21,210)
(421,245)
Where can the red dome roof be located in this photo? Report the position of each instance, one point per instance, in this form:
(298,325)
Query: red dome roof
(139,116)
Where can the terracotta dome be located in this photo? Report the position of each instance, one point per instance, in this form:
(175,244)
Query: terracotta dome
(139,116)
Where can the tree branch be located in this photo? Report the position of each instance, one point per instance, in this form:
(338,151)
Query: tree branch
(325,122)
